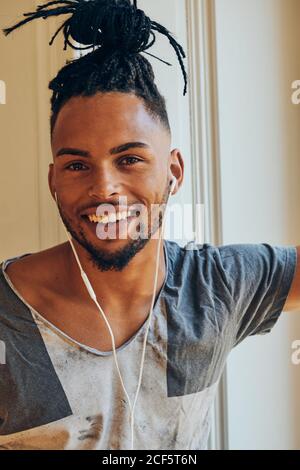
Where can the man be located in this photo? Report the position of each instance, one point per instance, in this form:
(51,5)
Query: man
(59,387)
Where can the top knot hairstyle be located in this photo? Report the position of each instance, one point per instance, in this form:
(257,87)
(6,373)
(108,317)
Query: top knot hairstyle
(117,32)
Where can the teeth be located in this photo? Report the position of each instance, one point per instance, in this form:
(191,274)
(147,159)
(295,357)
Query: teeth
(111,218)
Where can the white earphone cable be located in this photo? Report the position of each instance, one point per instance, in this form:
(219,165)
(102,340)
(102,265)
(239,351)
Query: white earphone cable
(94,298)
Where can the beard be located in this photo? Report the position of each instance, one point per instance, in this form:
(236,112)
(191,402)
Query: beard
(119,259)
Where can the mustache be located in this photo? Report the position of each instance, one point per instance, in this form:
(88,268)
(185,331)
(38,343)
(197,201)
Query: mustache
(115,204)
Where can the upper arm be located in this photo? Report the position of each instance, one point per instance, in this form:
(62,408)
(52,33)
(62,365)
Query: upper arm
(293,299)
(259,278)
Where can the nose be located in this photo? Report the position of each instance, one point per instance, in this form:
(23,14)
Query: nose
(104,184)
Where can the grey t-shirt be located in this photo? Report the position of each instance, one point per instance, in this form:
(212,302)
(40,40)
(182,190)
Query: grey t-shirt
(56,393)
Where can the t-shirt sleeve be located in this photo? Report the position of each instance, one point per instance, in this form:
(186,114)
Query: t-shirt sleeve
(259,278)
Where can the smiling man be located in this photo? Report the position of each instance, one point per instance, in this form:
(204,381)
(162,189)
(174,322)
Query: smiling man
(91,171)
(111,174)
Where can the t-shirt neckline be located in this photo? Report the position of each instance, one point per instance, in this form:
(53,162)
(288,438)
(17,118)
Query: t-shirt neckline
(59,332)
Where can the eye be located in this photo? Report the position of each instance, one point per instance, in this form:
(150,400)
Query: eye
(130,160)
(74,165)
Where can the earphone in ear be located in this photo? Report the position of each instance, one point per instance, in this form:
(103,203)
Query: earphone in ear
(173,184)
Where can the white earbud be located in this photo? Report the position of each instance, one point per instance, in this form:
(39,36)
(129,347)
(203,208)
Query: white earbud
(173,184)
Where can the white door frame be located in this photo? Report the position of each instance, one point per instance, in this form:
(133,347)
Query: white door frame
(206,182)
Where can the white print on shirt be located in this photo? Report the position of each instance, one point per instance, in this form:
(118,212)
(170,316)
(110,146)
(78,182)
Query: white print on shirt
(2,353)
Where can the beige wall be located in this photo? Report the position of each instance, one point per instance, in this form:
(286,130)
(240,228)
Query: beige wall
(28,221)
(18,122)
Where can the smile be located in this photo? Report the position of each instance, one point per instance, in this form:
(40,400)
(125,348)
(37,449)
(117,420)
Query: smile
(111,218)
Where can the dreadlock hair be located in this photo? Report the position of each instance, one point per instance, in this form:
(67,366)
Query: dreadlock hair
(117,32)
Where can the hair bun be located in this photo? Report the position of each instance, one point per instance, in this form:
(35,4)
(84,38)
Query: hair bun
(111,24)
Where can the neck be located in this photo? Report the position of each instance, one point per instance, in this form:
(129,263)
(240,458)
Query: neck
(132,286)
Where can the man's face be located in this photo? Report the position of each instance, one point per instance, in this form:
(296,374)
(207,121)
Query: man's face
(90,172)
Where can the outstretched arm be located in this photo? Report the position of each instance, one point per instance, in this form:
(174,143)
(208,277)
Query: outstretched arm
(293,299)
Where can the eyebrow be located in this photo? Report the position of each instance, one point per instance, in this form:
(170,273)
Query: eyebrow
(115,150)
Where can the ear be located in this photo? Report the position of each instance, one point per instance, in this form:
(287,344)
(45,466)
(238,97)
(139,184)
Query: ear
(176,168)
(51,180)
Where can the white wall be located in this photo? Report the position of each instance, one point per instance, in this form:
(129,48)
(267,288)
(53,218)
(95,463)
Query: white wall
(258,59)
(171,84)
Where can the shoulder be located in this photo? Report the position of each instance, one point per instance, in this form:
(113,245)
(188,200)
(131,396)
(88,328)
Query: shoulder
(193,266)
(35,271)
(220,268)
(191,254)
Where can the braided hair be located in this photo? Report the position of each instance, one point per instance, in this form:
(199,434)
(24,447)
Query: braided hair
(117,32)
